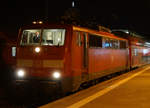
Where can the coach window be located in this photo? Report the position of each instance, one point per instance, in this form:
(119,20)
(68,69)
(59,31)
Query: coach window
(95,41)
(122,44)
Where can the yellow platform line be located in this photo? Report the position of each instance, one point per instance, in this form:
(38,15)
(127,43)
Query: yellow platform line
(104,91)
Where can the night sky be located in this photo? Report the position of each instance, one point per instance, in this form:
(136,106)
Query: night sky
(114,14)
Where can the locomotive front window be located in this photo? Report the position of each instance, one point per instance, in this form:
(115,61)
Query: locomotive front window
(30,37)
(53,37)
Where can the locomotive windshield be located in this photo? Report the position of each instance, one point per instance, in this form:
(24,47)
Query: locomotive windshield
(30,37)
(51,37)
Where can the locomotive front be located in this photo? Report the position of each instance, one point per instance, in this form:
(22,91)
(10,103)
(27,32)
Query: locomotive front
(40,58)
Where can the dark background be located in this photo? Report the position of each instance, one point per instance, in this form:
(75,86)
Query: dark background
(132,15)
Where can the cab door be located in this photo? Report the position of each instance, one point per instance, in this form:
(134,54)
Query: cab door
(79,58)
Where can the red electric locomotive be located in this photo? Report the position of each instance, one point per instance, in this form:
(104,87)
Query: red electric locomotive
(67,56)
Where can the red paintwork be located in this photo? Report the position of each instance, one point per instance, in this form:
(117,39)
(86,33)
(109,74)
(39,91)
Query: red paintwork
(99,59)
(137,59)
(105,59)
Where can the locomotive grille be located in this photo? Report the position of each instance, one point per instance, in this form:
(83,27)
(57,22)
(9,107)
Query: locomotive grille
(53,63)
(24,63)
(40,63)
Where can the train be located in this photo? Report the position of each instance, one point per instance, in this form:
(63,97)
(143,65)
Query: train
(66,56)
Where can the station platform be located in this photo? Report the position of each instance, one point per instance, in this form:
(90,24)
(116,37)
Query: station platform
(129,90)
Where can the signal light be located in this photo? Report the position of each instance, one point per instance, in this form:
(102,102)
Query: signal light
(37,22)
(34,22)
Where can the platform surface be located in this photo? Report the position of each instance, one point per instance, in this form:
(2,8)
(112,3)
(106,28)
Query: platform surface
(130,90)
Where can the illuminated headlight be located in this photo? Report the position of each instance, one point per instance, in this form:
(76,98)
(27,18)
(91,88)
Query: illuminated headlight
(40,22)
(34,22)
(37,49)
(56,75)
(20,73)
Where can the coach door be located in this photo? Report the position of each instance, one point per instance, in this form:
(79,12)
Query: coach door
(85,75)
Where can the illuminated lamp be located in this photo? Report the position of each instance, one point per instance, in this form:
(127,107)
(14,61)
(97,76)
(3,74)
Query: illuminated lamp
(37,49)
(40,22)
(56,75)
(34,22)
(20,73)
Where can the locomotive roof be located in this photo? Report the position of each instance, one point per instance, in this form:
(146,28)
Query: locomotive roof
(101,33)
(127,33)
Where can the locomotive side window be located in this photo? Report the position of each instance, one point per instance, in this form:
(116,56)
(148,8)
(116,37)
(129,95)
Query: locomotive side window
(106,43)
(122,44)
(13,51)
(110,43)
(95,41)
(53,37)
(30,37)
(78,34)
(114,43)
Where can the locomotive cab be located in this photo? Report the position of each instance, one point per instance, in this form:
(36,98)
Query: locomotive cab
(42,56)
(40,52)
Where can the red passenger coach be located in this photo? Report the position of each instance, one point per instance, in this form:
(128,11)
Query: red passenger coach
(139,48)
(137,52)
(67,56)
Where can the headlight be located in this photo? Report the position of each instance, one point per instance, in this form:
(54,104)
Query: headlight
(20,73)
(37,49)
(56,75)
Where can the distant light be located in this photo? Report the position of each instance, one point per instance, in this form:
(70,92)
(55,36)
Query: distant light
(127,32)
(73,4)
(147,43)
(145,51)
(34,22)
(138,43)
